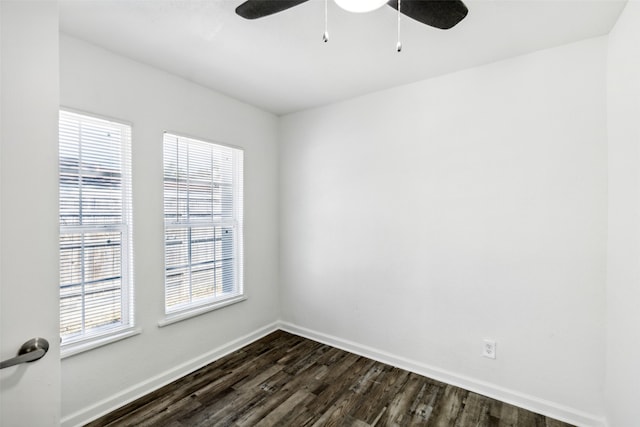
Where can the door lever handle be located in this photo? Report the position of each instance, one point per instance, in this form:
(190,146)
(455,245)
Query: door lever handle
(30,351)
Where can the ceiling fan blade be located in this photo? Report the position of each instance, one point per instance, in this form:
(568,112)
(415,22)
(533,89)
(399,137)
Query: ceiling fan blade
(253,9)
(443,14)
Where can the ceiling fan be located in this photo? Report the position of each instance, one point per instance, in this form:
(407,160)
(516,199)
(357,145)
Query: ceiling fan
(443,14)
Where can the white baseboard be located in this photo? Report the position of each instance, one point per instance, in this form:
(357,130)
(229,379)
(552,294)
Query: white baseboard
(136,391)
(522,400)
(531,403)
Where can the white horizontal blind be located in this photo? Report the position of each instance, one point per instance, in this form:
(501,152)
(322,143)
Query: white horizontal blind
(203,222)
(96,296)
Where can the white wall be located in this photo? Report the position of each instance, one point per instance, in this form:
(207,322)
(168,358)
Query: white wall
(29,393)
(419,220)
(96,81)
(414,222)
(623,278)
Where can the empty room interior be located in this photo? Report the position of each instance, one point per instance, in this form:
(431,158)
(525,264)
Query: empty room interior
(448,189)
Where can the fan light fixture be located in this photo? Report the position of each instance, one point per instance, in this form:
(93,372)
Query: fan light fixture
(443,14)
(360,6)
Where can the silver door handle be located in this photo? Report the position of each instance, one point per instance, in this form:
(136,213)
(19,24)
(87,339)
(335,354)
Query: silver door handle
(30,351)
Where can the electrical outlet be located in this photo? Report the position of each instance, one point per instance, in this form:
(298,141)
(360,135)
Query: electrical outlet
(489,349)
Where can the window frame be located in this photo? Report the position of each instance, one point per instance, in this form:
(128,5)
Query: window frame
(126,326)
(191,309)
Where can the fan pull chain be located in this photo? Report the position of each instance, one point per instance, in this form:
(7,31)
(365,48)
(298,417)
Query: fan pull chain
(399,45)
(325,36)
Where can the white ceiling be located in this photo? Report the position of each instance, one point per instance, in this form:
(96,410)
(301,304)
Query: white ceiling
(280,64)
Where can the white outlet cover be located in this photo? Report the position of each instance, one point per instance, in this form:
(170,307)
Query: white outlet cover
(489,349)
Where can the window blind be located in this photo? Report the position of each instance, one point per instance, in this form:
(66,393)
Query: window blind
(96,295)
(203,222)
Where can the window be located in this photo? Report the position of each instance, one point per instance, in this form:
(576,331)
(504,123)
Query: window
(203,224)
(96,293)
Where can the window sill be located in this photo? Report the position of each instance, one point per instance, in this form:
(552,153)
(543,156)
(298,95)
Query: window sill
(72,349)
(180,316)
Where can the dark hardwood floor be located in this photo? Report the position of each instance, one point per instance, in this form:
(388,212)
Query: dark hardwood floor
(285,380)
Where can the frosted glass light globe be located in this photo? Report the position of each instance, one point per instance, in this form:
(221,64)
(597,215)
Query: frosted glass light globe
(360,6)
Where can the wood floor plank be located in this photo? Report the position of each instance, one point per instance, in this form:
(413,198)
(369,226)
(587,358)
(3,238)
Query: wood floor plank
(282,410)
(373,405)
(339,411)
(302,417)
(286,380)
(305,361)
(508,416)
(476,411)
(335,389)
(259,378)
(398,413)
(530,419)
(422,407)
(170,414)
(281,388)
(449,407)
(367,379)
(270,347)
(298,415)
